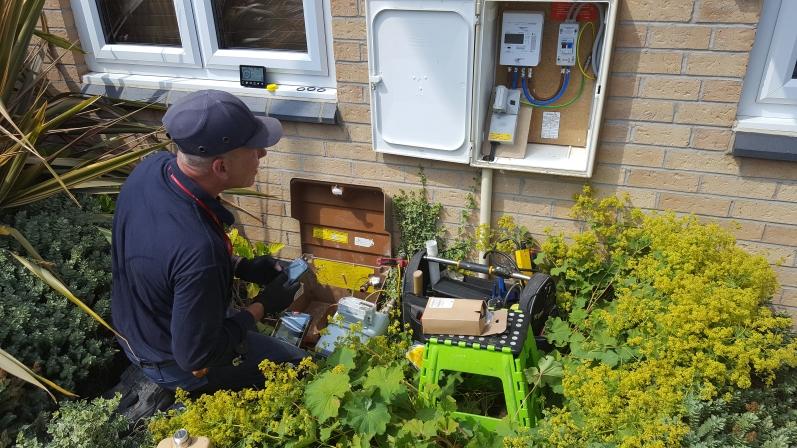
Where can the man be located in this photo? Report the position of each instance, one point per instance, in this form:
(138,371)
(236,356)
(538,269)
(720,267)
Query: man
(172,261)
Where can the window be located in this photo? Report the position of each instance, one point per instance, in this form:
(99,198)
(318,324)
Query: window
(769,97)
(207,39)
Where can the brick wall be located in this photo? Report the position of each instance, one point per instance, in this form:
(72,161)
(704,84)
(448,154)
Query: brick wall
(674,88)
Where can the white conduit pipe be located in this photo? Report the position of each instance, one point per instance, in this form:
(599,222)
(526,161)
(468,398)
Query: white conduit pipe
(485,202)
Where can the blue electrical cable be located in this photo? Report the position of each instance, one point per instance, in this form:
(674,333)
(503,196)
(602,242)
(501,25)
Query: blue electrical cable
(554,99)
(514,79)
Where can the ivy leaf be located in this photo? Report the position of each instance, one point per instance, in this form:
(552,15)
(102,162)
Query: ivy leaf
(387,380)
(368,417)
(322,396)
(343,356)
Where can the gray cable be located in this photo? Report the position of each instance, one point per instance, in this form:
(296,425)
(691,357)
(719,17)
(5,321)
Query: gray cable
(597,46)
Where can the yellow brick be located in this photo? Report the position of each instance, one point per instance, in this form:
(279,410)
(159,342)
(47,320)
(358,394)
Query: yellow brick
(737,186)
(787,276)
(505,183)
(696,204)
(59,19)
(711,138)
(668,36)
(300,146)
(516,205)
(670,88)
(743,230)
(352,72)
(539,187)
(355,113)
(344,8)
(773,169)
(778,234)
(727,11)
(614,132)
(787,192)
(347,51)
(639,109)
(623,85)
(639,197)
(282,160)
(327,165)
(789,299)
(711,162)
(437,177)
(626,154)
(561,209)
(722,91)
(630,35)
(354,151)
(634,61)
(607,174)
(379,171)
(716,64)
(360,133)
(776,212)
(538,225)
(351,93)
(664,180)
(344,28)
(773,254)
(664,135)
(712,114)
(448,197)
(656,10)
(322,131)
(733,39)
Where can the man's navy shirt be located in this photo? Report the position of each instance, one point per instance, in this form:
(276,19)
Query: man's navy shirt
(172,273)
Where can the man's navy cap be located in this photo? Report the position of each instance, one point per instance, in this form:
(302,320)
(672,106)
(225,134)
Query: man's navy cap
(212,122)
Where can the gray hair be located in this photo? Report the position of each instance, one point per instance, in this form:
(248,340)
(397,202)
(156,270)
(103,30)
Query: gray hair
(198,163)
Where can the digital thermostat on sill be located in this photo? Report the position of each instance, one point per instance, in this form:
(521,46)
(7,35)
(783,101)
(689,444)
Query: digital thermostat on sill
(253,76)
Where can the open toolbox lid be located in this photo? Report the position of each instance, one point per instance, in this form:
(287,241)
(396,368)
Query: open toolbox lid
(343,222)
(343,234)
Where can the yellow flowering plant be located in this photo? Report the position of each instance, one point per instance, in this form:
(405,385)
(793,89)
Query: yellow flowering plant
(655,308)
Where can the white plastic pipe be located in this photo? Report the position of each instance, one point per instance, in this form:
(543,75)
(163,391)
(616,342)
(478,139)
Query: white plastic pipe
(485,202)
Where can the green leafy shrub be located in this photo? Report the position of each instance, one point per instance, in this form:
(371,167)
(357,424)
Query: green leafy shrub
(363,395)
(762,416)
(418,219)
(86,424)
(655,308)
(40,327)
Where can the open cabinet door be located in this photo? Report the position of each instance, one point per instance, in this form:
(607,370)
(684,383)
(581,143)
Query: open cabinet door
(420,55)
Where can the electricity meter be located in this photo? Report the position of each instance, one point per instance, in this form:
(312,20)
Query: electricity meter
(521,38)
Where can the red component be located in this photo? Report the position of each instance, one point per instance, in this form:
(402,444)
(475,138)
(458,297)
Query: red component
(385,261)
(559,12)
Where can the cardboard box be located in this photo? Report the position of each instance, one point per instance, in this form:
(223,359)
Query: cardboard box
(461,317)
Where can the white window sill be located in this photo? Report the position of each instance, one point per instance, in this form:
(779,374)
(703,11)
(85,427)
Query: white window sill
(288,102)
(766,138)
(767,125)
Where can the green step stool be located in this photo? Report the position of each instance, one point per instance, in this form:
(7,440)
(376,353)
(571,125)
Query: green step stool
(504,356)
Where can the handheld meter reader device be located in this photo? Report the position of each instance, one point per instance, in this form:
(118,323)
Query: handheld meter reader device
(253,76)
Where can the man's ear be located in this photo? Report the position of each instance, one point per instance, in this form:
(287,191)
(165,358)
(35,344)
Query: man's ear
(219,167)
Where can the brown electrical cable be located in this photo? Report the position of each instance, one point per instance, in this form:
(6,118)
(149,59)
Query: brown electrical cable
(561,83)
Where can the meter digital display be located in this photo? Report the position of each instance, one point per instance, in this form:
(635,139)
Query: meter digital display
(513,38)
(253,76)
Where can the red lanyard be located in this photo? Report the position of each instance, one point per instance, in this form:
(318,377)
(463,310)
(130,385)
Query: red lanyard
(207,211)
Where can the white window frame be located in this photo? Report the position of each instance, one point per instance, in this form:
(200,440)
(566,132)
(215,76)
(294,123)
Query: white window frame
(92,39)
(200,58)
(313,62)
(769,95)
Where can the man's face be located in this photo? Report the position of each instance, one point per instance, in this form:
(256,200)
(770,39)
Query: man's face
(241,166)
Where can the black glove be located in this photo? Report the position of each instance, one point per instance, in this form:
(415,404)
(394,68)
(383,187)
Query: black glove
(261,270)
(278,295)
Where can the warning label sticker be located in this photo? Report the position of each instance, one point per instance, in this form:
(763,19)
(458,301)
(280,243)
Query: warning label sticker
(550,125)
(499,137)
(336,236)
(363,242)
